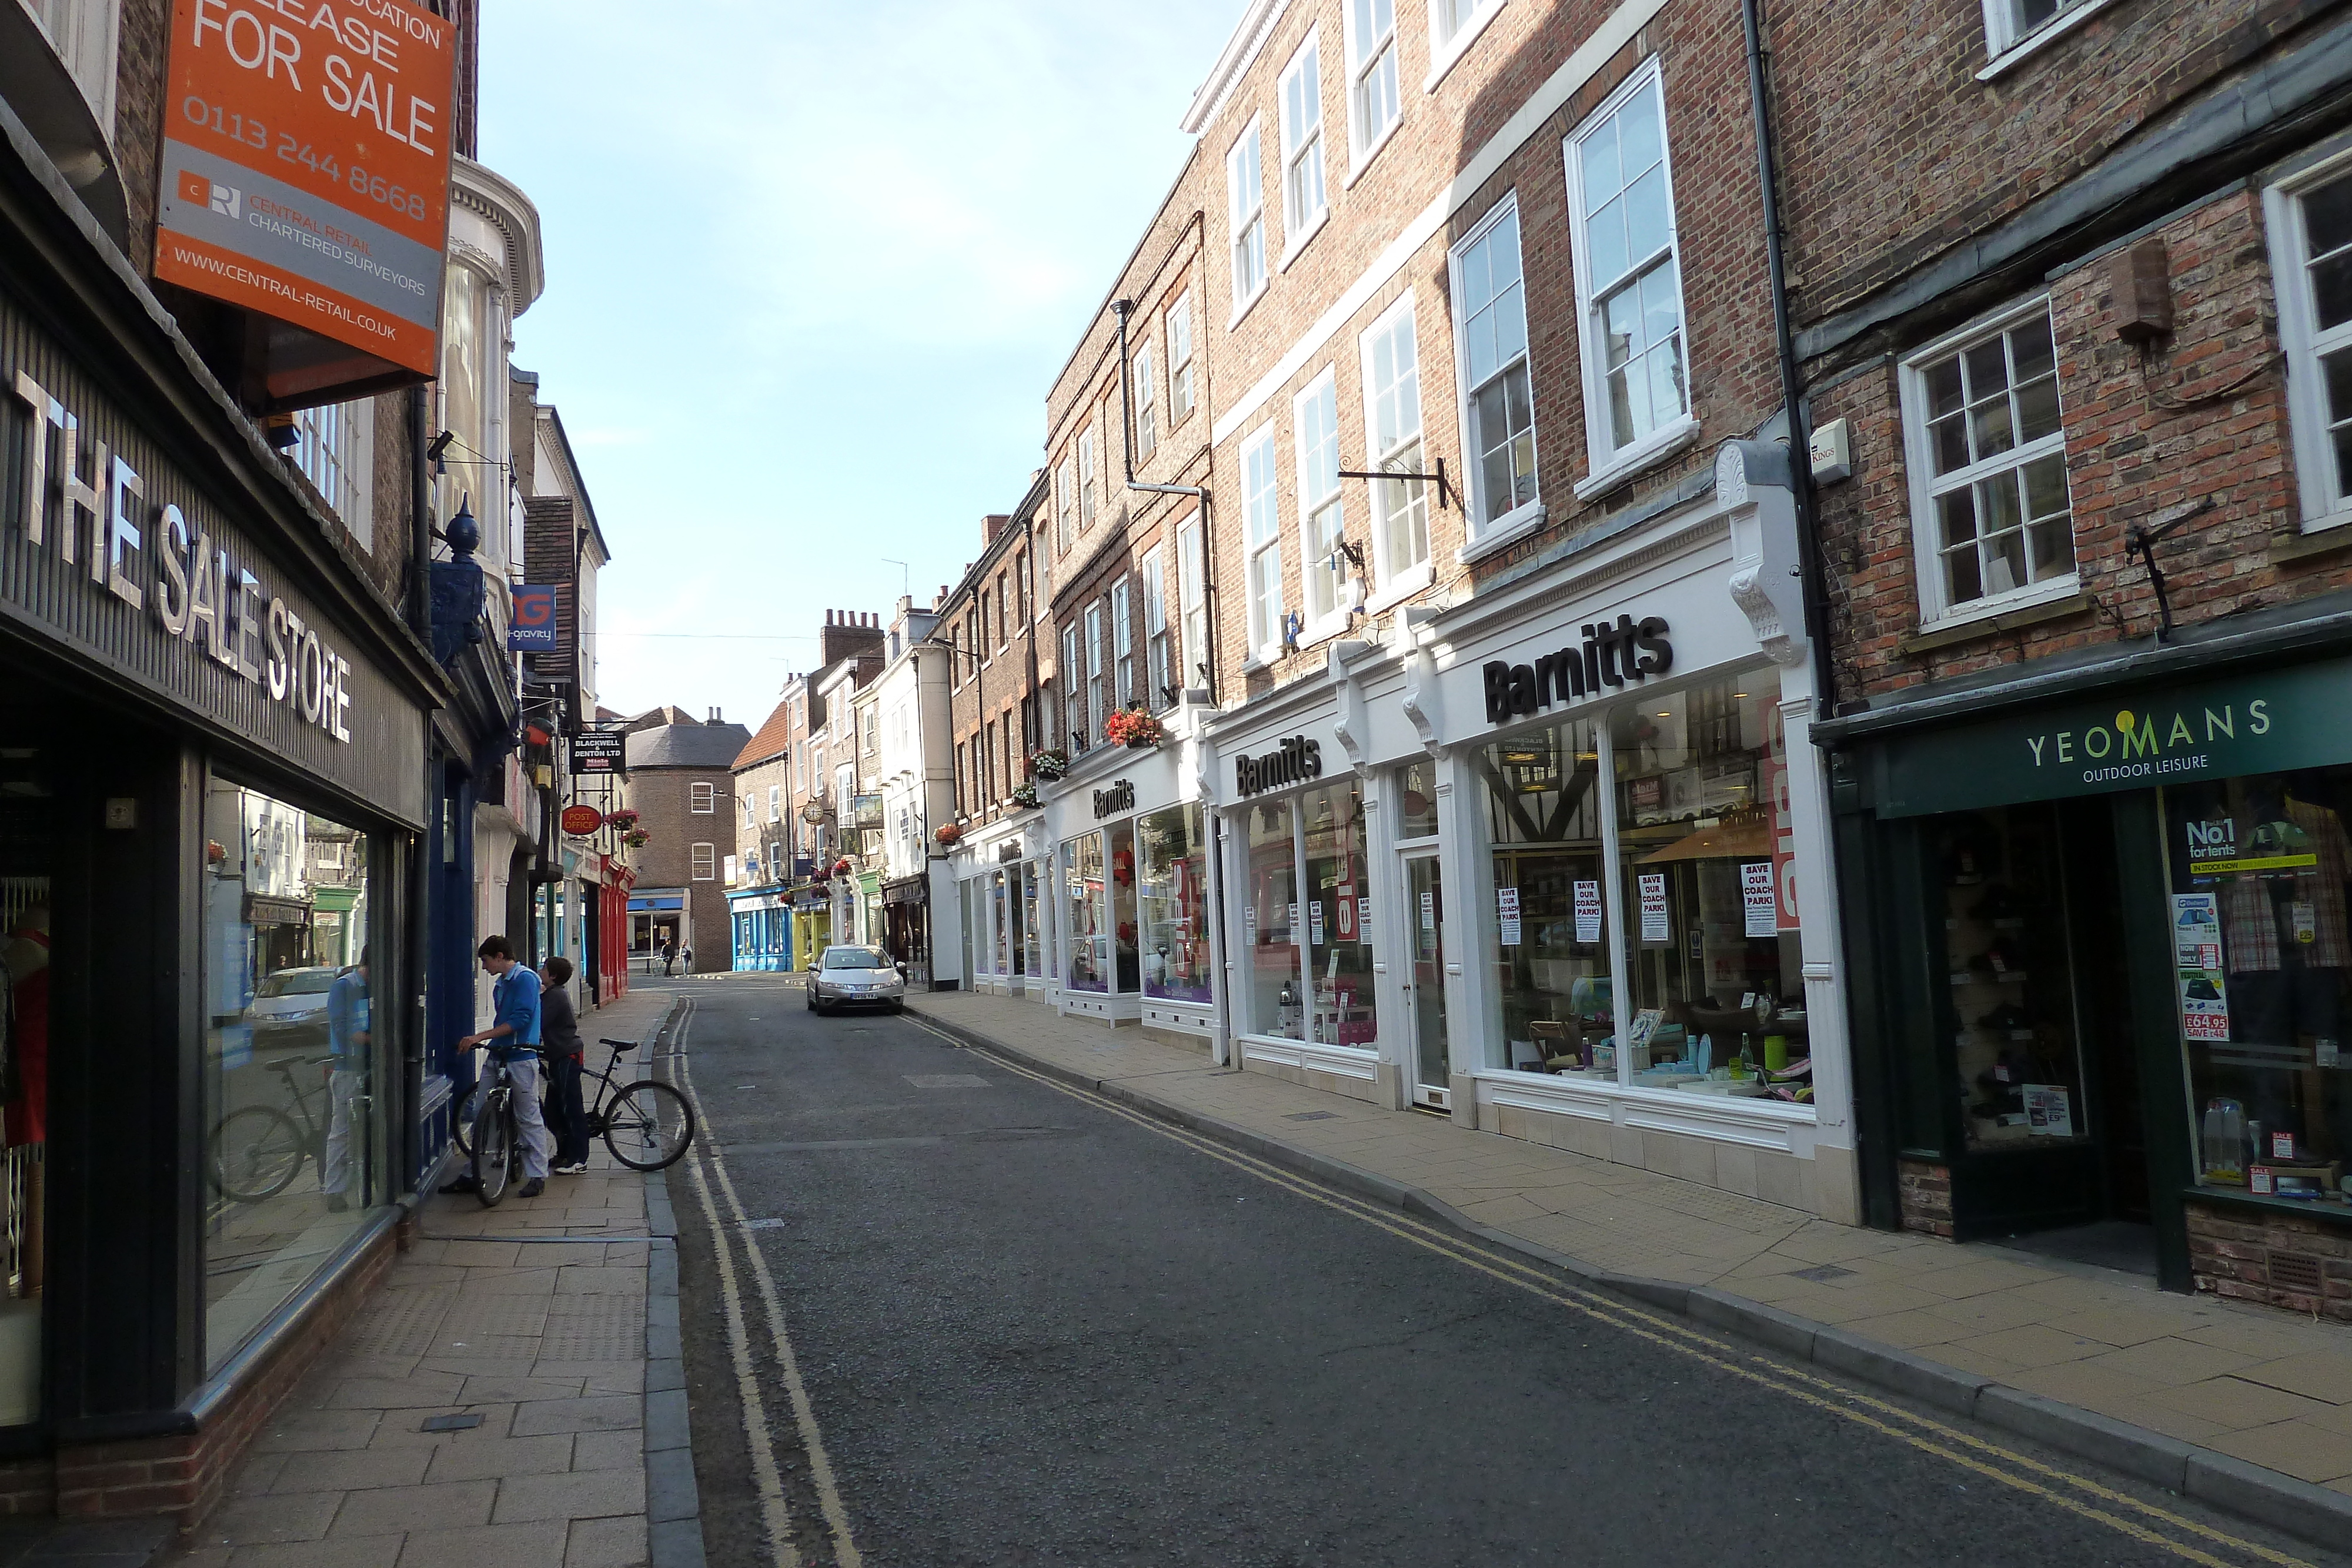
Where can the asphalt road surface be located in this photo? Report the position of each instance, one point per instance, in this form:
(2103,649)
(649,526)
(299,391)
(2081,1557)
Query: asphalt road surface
(1027,1327)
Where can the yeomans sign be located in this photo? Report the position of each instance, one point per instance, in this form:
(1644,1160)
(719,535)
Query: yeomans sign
(87,504)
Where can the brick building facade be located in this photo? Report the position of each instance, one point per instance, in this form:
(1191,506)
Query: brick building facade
(682,786)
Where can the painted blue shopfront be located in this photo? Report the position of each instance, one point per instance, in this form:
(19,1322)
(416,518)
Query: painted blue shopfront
(761,922)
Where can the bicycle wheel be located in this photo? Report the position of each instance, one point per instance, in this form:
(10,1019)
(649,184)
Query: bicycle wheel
(493,1147)
(648,1126)
(461,1120)
(256,1154)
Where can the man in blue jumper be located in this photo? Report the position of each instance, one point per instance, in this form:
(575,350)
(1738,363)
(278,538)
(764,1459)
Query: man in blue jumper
(514,1000)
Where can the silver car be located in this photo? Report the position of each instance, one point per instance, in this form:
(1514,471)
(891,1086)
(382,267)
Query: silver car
(857,978)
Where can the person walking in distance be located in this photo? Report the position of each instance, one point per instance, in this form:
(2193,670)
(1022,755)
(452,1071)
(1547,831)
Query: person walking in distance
(560,1030)
(513,1038)
(347,1043)
(669,956)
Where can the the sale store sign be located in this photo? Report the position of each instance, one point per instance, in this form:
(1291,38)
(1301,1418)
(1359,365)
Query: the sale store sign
(306,166)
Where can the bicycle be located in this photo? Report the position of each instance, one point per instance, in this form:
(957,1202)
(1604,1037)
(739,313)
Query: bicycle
(648,1125)
(257,1151)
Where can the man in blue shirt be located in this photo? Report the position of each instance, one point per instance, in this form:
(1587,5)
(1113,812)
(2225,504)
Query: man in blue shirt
(513,1038)
(347,1041)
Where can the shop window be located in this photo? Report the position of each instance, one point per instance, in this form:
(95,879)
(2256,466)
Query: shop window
(1544,806)
(1270,921)
(1172,898)
(1990,513)
(2258,868)
(27,817)
(1118,849)
(1717,972)
(1033,887)
(296,1142)
(1629,285)
(1086,914)
(1414,802)
(969,910)
(1339,906)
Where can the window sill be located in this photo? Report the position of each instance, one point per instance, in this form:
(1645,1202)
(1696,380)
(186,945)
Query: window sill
(1305,237)
(1441,60)
(1363,159)
(2061,600)
(2325,537)
(1506,529)
(2049,33)
(1401,586)
(1242,307)
(1655,448)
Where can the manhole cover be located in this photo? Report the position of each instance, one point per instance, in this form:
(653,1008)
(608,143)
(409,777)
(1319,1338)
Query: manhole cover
(1820,1274)
(947,1081)
(1310,1115)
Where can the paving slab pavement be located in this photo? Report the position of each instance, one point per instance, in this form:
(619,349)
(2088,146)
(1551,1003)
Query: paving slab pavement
(2250,1407)
(550,1323)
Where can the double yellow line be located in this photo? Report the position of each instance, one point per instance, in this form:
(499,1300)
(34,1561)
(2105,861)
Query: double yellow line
(2129,1516)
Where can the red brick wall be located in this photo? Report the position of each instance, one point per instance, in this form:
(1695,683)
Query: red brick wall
(2251,1255)
(1926,1193)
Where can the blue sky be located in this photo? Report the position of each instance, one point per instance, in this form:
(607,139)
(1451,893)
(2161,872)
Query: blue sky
(809,272)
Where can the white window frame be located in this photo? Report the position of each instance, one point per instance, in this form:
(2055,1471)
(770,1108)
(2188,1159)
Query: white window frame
(775,802)
(1394,580)
(2327,496)
(1178,321)
(1147,425)
(1065,504)
(1494,532)
(2006,43)
(1306,185)
(701,798)
(1192,602)
(1607,463)
(1122,644)
(1927,565)
(1087,466)
(1072,664)
(702,863)
(334,448)
(1322,512)
(1096,696)
(1449,44)
(1262,545)
(1246,217)
(1160,673)
(1365,141)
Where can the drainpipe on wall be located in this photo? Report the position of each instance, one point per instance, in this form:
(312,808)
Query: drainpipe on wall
(1801,464)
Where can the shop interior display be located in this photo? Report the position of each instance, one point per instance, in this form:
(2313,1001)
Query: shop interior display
(25,802)
(2011,979)
(2261,957)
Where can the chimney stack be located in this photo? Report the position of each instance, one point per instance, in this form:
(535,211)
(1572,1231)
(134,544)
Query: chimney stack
(991,526)
(714,716)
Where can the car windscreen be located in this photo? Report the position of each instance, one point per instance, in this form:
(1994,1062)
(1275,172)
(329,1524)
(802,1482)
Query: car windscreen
(854,959)
(295,983)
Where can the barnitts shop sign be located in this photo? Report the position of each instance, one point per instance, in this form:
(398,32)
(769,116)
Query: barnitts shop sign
(108,548)
(2137,740)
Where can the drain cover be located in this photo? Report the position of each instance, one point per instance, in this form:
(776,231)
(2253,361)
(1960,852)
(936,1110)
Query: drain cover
(1310,1115)
(450,1423)
(1820,1274)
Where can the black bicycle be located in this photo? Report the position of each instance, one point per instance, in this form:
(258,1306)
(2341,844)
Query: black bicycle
(258,1150)
(648,1125)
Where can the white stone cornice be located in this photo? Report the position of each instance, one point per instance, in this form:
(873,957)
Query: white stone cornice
(491,195)
(1240,52)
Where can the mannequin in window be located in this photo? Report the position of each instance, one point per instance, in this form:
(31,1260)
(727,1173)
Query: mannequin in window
(2287,941)
(27,956)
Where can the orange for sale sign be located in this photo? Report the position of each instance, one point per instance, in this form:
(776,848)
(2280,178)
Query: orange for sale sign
(306,166)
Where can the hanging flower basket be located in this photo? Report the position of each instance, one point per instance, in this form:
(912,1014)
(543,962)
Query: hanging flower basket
(841,867)
(625,819)
(948,833)
(1025,795)
(636,839)
(1133,727)
(1050,763)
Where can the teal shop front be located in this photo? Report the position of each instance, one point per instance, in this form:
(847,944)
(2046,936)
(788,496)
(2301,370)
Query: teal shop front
(2104,967)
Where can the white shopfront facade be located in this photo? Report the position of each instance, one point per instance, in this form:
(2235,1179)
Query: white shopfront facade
(995,897)
(1555,860)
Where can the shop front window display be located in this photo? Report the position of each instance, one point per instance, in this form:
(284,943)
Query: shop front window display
(1543,811)
(2262,967)
(27,806)
(1172,900)
(1120,837)
(1715,970)
(1089,954)
(1338,950)
(2009,973)
(1269,923)
(294,1133)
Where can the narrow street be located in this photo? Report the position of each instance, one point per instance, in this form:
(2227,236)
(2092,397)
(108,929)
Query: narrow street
(1033,1327)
